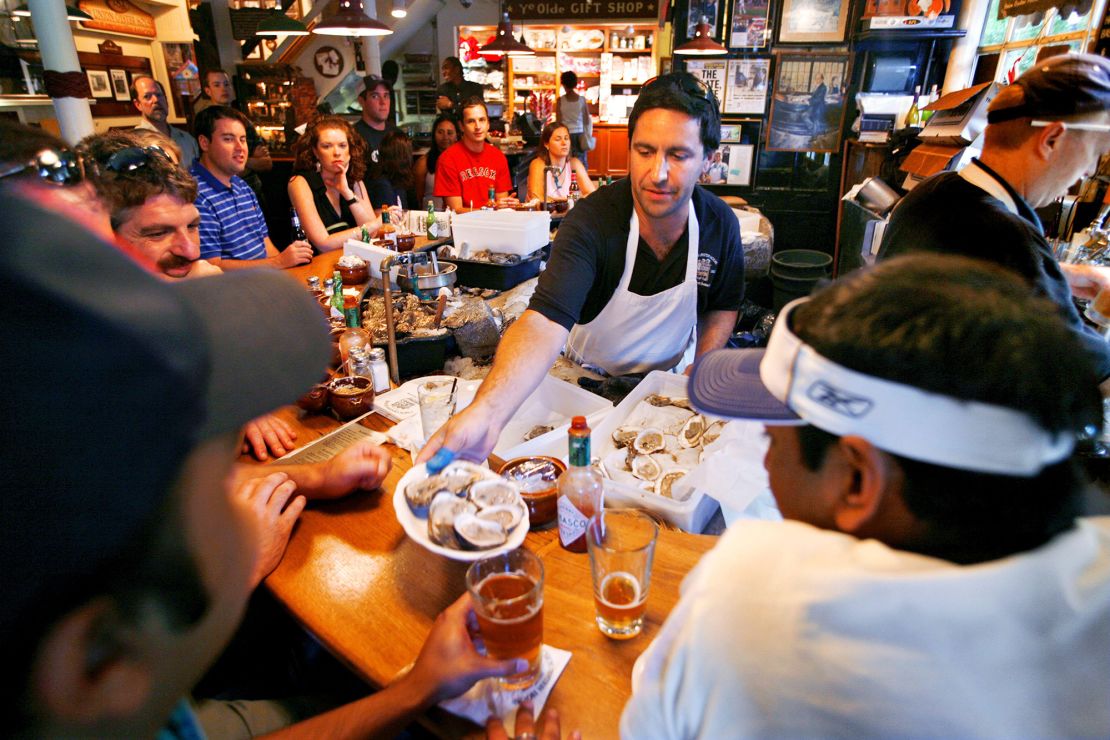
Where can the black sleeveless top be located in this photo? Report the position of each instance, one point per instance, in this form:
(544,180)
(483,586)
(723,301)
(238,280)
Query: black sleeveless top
(333,221)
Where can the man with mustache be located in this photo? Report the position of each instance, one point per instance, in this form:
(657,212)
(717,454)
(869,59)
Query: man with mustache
(149,98)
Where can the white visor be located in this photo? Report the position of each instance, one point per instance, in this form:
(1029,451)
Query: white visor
(902,419)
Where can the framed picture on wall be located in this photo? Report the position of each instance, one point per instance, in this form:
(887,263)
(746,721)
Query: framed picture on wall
(807,107)
(99,83)
(701,9)
(119,85)
(747,83)
(712,72)
(813,21)
(749,27)
(731,164)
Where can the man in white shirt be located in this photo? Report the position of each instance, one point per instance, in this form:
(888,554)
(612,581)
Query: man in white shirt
(149,98)
(933,577)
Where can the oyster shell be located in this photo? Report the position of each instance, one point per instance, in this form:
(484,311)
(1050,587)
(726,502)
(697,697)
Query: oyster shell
(656,399)
(648,441)
(492,492)
(712,432)
(445,508)
(624,436)
(692,431)
(667,480)
(475,533)
(508,516)
(646,468)
(459,477)
(419,495)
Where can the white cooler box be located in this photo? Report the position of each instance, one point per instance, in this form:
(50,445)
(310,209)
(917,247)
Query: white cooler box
(554,403)
(505,231)
(690,515)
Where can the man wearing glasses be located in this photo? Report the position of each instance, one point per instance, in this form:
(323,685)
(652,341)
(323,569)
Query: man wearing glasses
(1044,132)
(643,275)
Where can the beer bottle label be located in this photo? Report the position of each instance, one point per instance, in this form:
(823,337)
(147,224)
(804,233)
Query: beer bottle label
(572,522)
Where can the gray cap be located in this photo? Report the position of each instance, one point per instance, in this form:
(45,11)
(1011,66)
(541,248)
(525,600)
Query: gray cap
(1056,88)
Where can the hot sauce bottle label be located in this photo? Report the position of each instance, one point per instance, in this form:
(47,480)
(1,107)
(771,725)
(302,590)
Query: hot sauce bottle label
(572,522)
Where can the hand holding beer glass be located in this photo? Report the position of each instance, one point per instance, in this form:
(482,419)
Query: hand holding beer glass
(507,590)
(621,543)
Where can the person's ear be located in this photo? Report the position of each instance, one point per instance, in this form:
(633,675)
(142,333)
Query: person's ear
(869,477)
(203,142)
(85,672)
(1050,139)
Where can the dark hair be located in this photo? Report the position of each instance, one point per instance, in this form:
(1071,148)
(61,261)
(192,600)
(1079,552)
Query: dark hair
(213,71)
(435,151)
(973,331)
(453,62)
(304,149)
(394,160)
(373,82)
(545,136)
(20,143)
(568,79)
(205,122)
(470,103)
(682,92)
(124,190)
(135,81)
(155,568)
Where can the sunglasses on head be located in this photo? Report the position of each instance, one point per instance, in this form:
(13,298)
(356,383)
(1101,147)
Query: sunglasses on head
(133,158)
(53,166)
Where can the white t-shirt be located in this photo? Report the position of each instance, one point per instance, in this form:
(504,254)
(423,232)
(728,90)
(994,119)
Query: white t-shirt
(572,113)
(786,630)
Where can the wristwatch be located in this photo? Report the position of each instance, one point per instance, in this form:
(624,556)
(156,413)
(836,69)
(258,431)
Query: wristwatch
(350,201)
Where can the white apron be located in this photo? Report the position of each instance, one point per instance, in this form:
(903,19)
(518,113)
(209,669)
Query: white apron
(637,333)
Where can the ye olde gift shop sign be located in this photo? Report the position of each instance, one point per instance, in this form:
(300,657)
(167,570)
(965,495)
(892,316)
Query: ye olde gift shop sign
(598,10)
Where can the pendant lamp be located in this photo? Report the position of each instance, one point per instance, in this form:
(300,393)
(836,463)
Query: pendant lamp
(505,43)
(702,44)
(399,9)
(351,20)
(279,24)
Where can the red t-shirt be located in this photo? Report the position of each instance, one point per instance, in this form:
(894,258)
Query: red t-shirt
(459,171)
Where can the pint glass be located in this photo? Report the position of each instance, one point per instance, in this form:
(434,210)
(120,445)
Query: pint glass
(507,591)
(621,543)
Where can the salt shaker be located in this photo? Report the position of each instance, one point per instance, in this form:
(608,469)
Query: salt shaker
(379,370)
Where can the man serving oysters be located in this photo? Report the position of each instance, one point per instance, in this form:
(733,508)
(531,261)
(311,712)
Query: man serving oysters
(643,275)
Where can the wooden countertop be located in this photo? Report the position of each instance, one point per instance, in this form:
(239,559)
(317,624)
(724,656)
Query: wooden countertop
(352,578)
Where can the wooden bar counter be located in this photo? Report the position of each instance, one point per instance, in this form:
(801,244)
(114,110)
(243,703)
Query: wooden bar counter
(369,594)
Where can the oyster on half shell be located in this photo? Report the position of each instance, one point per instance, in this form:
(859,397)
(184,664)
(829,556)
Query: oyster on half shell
(646,468)
(648,441)
(446,507)
(692,431)
(477,533)
(667,480)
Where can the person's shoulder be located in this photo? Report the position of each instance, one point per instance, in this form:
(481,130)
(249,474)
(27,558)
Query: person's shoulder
(495,153)
(708,202)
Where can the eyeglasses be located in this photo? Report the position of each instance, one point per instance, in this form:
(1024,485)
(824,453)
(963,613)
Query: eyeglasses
(1077,125)
(688,84)
(53,166)
(133,158)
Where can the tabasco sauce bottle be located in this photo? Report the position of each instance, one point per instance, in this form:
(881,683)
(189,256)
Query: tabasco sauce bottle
(581,489)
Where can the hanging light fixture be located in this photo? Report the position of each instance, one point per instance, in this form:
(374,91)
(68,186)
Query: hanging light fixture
(351,20)
(702,44)
(505,43)
(399,9)
(279,24)
(72,13)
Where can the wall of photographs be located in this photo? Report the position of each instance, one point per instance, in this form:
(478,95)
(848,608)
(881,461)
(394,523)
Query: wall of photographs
(783,89)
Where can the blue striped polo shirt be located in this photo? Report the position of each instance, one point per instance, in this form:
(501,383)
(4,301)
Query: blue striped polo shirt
(231,221)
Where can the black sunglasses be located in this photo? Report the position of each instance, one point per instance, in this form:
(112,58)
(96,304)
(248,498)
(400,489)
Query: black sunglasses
(133,158)
(53,166)
(688,84)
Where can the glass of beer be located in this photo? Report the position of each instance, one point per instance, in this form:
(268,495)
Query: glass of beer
(621,543)
(507,591)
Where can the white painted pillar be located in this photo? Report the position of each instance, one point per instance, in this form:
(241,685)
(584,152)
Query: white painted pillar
(59,54)
(230,49)
(961,62)
(371,51)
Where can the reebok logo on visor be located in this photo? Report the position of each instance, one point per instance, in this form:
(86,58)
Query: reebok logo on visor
(839,401)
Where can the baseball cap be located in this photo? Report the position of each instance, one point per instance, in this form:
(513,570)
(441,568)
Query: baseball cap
(1056,88)
(790,382)
(112,378)
(371,82)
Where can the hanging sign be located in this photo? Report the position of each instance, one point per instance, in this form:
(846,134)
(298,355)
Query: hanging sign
(118,16)
(1010,8)
(597,10)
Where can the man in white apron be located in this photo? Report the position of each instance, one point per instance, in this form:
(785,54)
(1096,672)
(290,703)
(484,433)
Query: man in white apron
(1044,132)
(644,274)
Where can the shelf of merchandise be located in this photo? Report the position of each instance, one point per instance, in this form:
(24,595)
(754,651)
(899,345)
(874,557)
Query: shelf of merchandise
(481,70)
(555,45)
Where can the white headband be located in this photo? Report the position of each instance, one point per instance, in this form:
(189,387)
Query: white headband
(901,419)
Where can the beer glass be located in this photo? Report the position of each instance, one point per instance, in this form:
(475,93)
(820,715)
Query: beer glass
(507,591)
(621,544)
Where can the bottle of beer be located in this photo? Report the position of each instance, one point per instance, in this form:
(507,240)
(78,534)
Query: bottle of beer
(913,115)
(337,293)
(388,231)
(927,114)
(298,232)
(492,202)
(574,193)
(581,489)
(430,221)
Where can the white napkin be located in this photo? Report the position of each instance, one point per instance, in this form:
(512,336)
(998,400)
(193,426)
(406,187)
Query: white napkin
(732,471)
(486,698)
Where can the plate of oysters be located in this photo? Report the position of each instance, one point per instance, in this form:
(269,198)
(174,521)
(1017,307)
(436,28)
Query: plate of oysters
(465,512)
